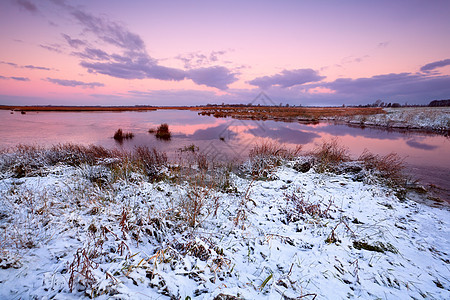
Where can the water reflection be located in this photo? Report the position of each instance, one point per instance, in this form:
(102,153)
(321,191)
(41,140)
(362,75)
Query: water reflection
(213,133)
(342,130)
(424,146)
(285,135)
(226,137)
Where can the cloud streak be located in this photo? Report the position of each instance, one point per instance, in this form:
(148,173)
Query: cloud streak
(74,43)
(391,85)
(27,5)
(52,48)
(109,31)
(217,76)
(25,67)
(15,78)
(36,67)
(134,61)
(74,83)
(197,59)
(92,54)
(287,78)
(434,65)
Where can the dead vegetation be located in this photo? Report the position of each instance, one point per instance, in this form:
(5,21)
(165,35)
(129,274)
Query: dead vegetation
(175,232)
(298,207)
(310,114)
(267,155)
(329,155)
(119,135)
(163,132)
(389,166)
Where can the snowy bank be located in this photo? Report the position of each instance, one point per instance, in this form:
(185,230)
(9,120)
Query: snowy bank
(122,229)
(422,118)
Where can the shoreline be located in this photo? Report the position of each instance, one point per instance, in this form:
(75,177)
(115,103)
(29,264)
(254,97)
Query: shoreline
(424,119)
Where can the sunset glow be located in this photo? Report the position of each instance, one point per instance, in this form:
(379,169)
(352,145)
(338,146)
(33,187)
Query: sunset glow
(190,53)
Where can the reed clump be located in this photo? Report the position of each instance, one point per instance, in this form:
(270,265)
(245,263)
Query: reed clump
(163,132)
(329,155)
(267,155)
(389,167)
(120,135)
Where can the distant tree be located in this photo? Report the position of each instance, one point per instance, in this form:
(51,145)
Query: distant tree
(436,103)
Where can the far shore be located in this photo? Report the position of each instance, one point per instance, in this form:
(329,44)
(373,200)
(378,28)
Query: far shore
(427,119)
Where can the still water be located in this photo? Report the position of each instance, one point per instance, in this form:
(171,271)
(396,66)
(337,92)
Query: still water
(427,156)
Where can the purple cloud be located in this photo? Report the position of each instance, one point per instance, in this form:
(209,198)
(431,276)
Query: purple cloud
(15,78)
(74,83)
(25,67)
(197,59)
(217,76)
(133,67)
(353,59)
(52,48)
(390,85)
(74,43)
(36,67)
(435,65)
(27,5)
(134,62)
(383,44)
(20,78)
(287,78)
(93,54)
(9,63)
(110,32)
(139,66)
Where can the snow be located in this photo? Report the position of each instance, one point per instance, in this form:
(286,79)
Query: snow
(423,118)
(134,239)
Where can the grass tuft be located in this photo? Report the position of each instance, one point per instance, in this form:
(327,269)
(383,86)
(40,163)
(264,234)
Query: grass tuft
(329,154)
(266,156)
(120,135)
(163,132)
(389,166)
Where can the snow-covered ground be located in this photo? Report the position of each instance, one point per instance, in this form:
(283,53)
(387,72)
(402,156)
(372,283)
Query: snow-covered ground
(424,118)
(65,234)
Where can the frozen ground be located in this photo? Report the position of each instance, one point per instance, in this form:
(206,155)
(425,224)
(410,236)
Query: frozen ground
(424,118)
(78,232)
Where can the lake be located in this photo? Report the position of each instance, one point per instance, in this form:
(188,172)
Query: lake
(427,155)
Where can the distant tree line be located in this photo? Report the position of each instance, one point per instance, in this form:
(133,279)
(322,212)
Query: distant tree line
(378,103)
(436,103)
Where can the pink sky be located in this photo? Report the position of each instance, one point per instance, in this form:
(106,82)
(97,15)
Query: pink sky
(197,52)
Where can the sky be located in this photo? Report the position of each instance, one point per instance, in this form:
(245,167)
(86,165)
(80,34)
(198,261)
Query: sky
(321,53)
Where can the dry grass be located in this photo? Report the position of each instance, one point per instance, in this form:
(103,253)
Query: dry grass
(267,155)
(120,135)
(150,161)
(329,154)
(301,206)
(389,166)
(73,154)
(175,231)
(287,113)
(163,132)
